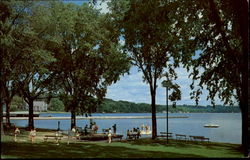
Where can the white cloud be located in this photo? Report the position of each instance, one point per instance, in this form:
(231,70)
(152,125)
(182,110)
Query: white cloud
(131,88)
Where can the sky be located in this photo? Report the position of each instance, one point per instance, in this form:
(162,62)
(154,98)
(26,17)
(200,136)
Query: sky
(131,87)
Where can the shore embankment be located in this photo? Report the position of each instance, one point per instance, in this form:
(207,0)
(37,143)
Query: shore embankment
(95,117)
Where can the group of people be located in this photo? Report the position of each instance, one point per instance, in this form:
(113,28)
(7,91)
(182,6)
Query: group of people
(32,134)
(134,131)
(93,126)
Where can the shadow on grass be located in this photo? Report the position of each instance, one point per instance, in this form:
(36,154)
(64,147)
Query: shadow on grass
(81,150)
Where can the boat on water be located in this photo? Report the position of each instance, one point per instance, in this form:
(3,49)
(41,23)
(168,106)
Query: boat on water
(146,132)
(211,126)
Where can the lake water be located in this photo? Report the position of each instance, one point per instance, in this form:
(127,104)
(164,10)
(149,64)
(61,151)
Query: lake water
(229,130)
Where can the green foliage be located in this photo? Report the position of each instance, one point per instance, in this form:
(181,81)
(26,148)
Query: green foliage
(56,105)
(88,57)
(150,43)
(17,103)
(111,106)
(215,28)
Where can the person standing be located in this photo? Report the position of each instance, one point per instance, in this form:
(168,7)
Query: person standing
(86,130)
(32,135)
(114,128)
(109,135)
(17,131)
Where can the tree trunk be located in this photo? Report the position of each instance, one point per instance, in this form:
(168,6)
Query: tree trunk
(153,106)
(1,112)
(31,114)
(73,118)
(7,112)
(244,108)
(242,10)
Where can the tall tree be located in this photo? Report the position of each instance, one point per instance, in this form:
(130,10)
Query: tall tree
(12,28)
(88,57)
(35,75)
(220,30)
(150,43)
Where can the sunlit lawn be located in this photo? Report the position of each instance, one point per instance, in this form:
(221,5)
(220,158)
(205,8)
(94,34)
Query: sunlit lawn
(142,148)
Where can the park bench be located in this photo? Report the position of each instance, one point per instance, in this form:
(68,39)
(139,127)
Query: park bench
(199,138)
(55,137)
(133,135)
(180,137)
(165,134)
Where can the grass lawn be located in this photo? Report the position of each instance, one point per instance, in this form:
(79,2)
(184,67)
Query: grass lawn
(142,148)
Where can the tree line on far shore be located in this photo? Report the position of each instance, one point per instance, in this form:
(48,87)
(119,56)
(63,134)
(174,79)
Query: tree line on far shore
(112,106)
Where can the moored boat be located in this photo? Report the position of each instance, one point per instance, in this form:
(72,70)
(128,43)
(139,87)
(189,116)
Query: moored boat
(211,126)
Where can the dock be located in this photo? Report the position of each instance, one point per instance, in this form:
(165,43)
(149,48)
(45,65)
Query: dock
(96,117)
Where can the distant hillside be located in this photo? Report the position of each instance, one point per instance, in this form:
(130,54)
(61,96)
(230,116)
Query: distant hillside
(111,106)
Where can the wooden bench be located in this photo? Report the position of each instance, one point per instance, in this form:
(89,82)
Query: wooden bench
(133,135)
(165,134)
(55,137)
(180,137)
(199,138)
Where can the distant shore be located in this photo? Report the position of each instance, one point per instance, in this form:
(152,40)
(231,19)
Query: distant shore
(95,117)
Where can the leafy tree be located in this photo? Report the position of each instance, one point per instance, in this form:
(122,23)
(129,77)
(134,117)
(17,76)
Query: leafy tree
(17,103)
(150,43)
(88,57)
(219,29)
(12,26)
(56,104)
(34,75)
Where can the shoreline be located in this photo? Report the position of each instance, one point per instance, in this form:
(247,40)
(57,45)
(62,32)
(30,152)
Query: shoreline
(95,117)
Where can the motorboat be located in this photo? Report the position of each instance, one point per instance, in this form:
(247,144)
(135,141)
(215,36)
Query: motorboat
(211,126)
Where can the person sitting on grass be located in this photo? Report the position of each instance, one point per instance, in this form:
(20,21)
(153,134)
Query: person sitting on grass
(32,135)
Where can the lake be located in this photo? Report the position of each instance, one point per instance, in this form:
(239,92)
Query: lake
(228,132)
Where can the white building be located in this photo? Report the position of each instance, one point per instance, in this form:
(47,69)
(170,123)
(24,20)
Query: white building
(38,106)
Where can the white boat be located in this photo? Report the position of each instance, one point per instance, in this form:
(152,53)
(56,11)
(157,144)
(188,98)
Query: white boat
(211,125)
(146,132)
